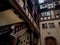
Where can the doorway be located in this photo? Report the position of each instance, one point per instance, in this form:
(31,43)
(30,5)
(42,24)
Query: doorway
(50,41)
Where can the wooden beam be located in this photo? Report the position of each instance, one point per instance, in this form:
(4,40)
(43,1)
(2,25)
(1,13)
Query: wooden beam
(23,14)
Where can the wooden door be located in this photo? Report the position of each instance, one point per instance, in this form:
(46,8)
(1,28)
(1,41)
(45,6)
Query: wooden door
(50,41)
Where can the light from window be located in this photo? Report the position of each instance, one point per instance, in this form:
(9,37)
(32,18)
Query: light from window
(48,13)
(50,5)
(41,1)
(45,13)
(44,26)
(43,6)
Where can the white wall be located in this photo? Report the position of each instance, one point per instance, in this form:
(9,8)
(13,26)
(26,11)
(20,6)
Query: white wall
(24,37)
(54,32)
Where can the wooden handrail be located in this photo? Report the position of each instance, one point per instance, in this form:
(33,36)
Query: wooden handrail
(8,28)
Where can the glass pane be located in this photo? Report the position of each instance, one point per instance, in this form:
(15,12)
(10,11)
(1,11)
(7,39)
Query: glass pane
(50,5)
(57,12)
(45,5)
(44,26)
(41,7)
(51,25)
(43,14)
(48,13)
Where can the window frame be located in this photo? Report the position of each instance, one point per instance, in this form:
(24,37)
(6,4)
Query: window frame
(57,12)
(43,14)
(51,25)
(51,5)
(44,26)
(59,24)
(43,6)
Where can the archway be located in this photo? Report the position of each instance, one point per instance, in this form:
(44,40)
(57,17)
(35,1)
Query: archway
(50,41)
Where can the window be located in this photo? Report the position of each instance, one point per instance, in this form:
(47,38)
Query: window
(50,5)
(41,1)
(57,3)
(46,13)
(43,14)
(59,23)
(43,6)
(58,16)
(57,12)
(44,26)
(51,25)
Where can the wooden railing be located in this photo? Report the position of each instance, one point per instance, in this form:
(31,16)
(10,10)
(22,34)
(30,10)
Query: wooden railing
(30,17)
(12,28)
(28,14)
